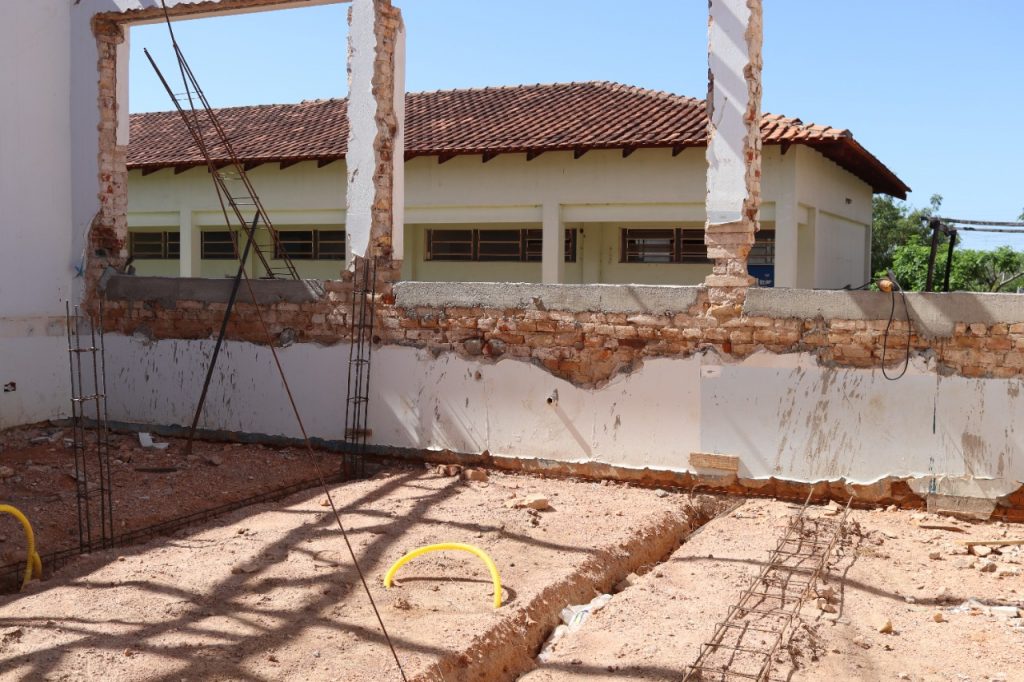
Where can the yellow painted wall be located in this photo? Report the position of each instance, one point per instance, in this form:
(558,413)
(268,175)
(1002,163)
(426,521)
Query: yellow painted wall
(599,192)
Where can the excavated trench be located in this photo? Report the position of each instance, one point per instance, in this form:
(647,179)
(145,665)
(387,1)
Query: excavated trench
(627,531)
(510,648)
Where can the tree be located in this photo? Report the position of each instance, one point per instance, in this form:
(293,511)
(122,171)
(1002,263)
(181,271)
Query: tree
(1002,269)
(896,223)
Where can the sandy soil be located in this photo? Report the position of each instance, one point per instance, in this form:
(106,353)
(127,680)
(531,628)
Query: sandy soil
(890,569)
(268,593)
(39,480)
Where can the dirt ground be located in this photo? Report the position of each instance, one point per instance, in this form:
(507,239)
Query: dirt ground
(39,480)
(888,569)
(268,593)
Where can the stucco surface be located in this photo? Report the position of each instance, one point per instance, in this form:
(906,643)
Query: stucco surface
(784,416)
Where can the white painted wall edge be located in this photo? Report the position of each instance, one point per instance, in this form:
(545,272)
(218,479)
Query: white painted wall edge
(782,415)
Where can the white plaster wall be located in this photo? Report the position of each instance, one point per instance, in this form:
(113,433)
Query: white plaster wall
(842,238)
(840,248)
(784,416)
(35,207)
(416,401)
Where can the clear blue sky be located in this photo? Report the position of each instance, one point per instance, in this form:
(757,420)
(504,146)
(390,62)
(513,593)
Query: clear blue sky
(932,87)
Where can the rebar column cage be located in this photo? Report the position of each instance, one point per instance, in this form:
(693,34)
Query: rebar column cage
(91,450)
(764,618)
(363,317)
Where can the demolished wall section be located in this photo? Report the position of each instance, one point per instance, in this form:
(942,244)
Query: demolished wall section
(108,232)
(375,81)
(587,347)
(734,148)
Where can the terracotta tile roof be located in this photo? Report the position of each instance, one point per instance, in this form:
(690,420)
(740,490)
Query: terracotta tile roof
(528,118)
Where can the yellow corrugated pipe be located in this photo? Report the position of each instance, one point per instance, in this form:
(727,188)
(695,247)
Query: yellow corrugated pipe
(495,578)
(33,564)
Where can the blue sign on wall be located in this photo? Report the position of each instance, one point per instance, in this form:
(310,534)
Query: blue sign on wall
(764,274)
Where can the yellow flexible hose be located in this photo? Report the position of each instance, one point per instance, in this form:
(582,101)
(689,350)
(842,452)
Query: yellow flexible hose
(33,564)
(495,578)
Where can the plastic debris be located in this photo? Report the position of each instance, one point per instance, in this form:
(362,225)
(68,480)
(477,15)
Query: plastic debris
(573,617)
(1000,610)
(146,441)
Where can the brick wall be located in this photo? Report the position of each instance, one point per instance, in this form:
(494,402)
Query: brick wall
(586,348)
(109,229)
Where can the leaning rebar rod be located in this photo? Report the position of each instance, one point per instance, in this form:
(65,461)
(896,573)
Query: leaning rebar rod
(195,131)
(323,481)
(223,331)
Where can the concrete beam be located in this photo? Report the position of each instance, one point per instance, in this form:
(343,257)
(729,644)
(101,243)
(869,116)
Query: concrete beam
(167,291)
(605,298)
(933,315)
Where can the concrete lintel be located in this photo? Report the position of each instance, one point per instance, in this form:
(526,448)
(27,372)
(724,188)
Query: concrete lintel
(167,291)
(607,298)
(934,314)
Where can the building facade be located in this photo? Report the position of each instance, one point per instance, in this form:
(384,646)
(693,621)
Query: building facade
(626,210)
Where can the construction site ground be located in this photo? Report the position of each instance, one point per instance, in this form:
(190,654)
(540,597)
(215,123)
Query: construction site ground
(889,571)
(269,593)
(149,485)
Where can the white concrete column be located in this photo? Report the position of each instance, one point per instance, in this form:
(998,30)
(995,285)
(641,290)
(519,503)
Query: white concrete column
(188,236)
(807,250)
(360,159)
(376,153)
(734,145)
(398,157)
(553,252)
(786,218)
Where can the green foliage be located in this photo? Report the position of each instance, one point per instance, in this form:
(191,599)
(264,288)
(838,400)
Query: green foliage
(901,241)
(895,224)
(999,270)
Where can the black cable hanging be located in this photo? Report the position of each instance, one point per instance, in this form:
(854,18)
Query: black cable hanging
(893,287)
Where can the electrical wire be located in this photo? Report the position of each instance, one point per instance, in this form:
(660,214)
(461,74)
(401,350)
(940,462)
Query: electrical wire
(989,223)
(888,327)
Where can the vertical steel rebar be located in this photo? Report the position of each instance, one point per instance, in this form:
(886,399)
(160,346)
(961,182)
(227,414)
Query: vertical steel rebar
(363,318)
(99,442)
(75,424)
(223,332)
(82,462)
(106,430)
(93,532)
